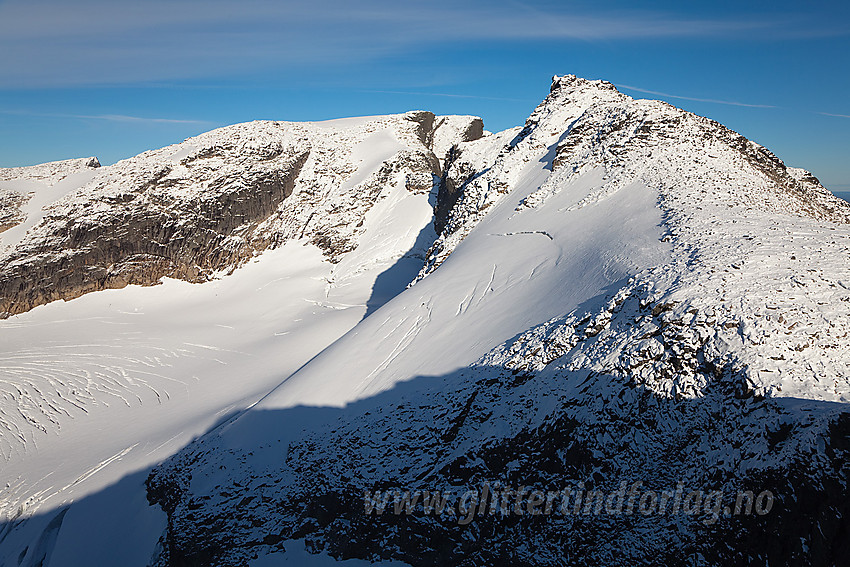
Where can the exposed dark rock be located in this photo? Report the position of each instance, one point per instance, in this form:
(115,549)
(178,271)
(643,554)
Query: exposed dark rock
(229,197)
(10,209)
(149,235)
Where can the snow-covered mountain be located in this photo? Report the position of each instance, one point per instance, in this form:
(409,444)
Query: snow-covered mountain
(617,292)
(112,382)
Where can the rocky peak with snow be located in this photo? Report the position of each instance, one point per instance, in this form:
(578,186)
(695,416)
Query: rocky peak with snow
(17,184)
(206,205)
(617,291)
(621,291)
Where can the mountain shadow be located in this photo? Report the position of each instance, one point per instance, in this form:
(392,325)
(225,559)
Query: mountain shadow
(251,485)
(320,474)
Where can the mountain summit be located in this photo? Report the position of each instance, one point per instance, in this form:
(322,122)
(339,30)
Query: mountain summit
(616,334)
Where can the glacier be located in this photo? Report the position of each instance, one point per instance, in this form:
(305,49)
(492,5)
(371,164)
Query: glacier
(212,350)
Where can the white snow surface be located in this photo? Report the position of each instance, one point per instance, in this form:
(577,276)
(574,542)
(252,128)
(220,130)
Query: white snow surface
(491,288)
(568,231)
(98,388)
(556,229)
(41,185)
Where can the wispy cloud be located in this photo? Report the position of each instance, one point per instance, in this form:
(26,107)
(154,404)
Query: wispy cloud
(695,99)
(56,43)
(107,117)
(445,95)
(726,102)
(123,118)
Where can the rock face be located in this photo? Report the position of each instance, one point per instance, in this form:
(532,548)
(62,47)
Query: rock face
(207,205)
(10,209)
(627,343)
(721,371)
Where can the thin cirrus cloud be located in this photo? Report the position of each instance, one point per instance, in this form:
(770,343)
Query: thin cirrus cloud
(138,119)
(108,117)
(445,95)
(48,43)
(716,101)
(695,99)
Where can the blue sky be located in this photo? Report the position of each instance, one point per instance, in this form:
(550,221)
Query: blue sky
(113,78)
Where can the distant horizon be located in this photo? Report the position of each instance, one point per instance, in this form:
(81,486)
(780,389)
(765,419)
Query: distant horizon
(114,78)
(840,190)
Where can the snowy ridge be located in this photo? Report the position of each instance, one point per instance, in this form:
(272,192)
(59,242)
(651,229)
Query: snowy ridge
(205,206)
(589,124)
(48,173)
(621,291)
(174,358)
(25,191)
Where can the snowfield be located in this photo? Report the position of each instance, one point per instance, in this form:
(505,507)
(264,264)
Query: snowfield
(616,291)
(113,382)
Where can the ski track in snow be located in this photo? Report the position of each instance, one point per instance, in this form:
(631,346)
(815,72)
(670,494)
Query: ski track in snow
(543,232)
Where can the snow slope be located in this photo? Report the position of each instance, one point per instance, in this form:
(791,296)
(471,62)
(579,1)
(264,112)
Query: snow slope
(110,383)
(489,288)
(619,291)
(623,291)
(31,189)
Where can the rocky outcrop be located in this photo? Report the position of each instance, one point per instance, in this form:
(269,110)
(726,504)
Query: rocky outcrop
(145,234)
(207,205)
(449,131)
(49,173)
(717,374)
(10,209)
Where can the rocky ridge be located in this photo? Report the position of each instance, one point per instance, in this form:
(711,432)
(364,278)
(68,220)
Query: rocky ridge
(722,368)
(203,207)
